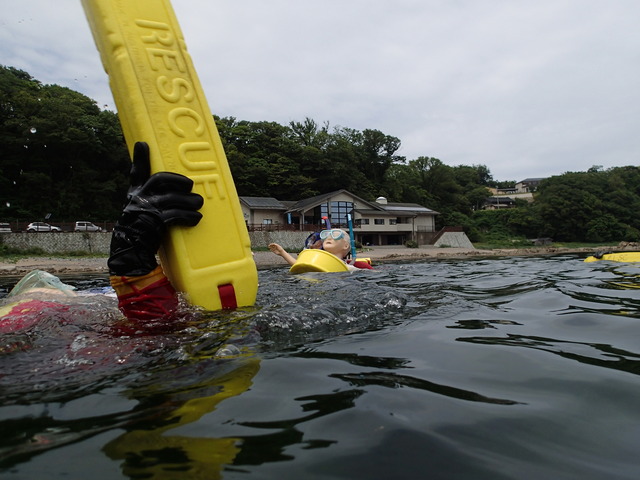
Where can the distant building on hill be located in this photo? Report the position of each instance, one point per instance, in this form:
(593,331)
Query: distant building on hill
(506,197)
(528,185)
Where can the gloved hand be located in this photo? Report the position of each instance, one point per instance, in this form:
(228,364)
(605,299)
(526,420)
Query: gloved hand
(153,203)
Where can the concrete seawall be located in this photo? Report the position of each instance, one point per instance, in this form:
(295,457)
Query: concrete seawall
(98,242)
(48,242)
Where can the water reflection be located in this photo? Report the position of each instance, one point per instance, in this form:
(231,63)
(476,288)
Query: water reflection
(148,450)
(355,359)
(601,355)
(393,380)
(271,447)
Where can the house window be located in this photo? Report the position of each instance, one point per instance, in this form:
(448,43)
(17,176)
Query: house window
(364,221)
(378,221)
(338,213)
(267,221)
(392,221)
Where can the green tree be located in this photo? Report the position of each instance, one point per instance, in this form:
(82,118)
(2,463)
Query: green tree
(595,205)
(61,154)
(401,185)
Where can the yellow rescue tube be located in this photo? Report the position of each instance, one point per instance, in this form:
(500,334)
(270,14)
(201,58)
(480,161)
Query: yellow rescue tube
(616,257)
(316,260)
(160,101)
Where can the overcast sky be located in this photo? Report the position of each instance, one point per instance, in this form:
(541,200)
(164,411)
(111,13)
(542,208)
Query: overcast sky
(527,88)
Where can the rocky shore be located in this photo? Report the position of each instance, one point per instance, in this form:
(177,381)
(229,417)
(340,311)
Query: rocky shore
(60,265)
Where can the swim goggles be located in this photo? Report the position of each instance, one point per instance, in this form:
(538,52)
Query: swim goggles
(335,233)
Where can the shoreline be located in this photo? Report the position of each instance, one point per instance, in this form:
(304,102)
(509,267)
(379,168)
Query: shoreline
(266,259)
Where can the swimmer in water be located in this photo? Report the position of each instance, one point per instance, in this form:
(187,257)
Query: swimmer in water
(145,296)
(335,241)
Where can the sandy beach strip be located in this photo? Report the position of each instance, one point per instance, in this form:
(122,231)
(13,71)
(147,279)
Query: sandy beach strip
(59,265)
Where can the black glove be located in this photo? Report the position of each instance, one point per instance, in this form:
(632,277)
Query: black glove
(153,203)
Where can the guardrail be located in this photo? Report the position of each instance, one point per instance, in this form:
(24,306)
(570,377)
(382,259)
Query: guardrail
(66,226)
(21,226)
(279,227)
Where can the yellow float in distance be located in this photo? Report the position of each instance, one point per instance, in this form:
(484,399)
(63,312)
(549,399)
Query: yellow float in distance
(616,257)
(160,101)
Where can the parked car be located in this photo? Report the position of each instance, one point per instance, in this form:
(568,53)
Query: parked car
(5,228)
(42,227)
(86,227)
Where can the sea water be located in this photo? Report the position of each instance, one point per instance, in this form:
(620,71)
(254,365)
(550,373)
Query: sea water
(508,368)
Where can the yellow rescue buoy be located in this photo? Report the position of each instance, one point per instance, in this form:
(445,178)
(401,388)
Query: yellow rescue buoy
(160,101)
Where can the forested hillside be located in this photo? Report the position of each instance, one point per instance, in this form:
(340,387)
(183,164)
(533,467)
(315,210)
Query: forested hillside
(62,154)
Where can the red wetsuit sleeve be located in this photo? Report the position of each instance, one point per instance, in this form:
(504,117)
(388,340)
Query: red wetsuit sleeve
(146,298)
(364,265)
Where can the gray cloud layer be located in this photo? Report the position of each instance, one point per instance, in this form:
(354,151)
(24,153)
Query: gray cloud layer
(529,89)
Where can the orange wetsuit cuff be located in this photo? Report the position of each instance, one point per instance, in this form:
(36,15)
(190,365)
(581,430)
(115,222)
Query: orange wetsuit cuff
(127,285)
